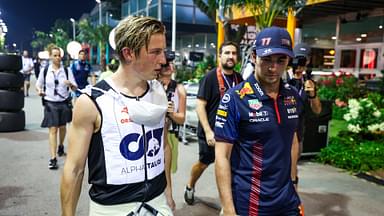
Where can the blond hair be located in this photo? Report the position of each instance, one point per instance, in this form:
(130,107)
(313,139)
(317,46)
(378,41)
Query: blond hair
(135,32)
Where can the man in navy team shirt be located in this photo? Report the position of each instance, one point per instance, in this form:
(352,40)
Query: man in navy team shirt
(81,69)
(255,126)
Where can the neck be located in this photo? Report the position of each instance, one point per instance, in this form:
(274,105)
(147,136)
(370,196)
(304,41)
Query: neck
(271,89)
(227,71)
(128,83)
(55,66)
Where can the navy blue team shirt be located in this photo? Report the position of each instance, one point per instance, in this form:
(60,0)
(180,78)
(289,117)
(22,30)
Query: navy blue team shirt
(81,71)
(261,131)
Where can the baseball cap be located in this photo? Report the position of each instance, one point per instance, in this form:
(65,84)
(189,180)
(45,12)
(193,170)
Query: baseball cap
(273,40)
(302,49)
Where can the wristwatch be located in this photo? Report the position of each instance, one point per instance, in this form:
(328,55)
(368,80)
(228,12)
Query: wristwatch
(295,181)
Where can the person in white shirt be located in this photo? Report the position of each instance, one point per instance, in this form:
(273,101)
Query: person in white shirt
(26,71)
(54,85)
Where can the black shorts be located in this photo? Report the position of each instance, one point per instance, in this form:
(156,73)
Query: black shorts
(27,77)
(206,153)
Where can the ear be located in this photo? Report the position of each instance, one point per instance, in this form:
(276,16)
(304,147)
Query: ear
(128,54)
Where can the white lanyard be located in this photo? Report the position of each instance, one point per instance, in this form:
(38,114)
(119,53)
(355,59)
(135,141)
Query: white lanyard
(226,80)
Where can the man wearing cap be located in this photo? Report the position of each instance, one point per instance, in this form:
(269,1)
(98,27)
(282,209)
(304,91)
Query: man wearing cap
(254,135)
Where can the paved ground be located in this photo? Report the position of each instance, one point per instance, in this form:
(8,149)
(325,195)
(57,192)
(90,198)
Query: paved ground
(27,187)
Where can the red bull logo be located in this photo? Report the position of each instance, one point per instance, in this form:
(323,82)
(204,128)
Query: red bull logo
(246,90)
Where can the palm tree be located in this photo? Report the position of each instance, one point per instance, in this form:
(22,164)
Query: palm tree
(94,36)
(266,11)
(209,7)
(41,40)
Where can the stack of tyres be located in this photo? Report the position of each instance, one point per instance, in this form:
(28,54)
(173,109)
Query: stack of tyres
(12,117)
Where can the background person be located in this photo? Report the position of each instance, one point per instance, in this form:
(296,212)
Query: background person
(82,70)
(54,84)
(211,89)
(111,68)
(176,96)
(255,126)
(118,129)
(306,86)
(26,71)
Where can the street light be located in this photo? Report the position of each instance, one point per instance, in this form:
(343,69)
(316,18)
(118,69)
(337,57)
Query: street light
(73,28)
(108,16)
(99,2)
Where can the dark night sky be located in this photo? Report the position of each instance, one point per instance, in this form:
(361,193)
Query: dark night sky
(22,16)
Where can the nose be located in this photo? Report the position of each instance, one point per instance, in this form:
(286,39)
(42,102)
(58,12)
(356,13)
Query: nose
(162,58)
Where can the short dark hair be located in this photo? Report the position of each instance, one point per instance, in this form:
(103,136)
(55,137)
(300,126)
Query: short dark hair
(83,51)
(228,43)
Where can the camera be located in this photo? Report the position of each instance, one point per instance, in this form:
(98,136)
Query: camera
(169,56)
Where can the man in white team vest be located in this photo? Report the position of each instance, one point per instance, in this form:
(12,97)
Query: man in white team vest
(118,125)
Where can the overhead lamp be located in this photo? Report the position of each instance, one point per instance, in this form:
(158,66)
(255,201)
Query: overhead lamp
(380,26)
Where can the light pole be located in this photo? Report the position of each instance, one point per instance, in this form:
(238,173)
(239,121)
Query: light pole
(73,28)
(99,2)
(108,16)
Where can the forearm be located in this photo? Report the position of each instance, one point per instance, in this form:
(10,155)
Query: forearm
(315,105)
(294,157)
(167,163)
(179,118)
(203,119)
(70,189)
(223,180)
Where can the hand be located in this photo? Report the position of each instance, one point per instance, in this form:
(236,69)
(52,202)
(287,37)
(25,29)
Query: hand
(68,83)
(210,138)
(41,93)
(227,213)
(310,88)
(168,195)
(171,108)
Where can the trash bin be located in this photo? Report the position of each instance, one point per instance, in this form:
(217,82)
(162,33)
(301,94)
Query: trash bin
(316,128)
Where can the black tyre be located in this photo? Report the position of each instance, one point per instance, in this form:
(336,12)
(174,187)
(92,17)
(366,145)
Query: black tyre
(10,62)
(12,121)
(11,80)
(11,100)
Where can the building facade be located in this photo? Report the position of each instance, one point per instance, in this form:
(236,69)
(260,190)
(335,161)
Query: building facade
(195,31)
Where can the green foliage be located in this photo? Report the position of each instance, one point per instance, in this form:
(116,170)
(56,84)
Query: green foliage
(41,40)
(376,99)
(336,126)
(338,112)
(364,117)
(360,148)
(343,87)
(353,154)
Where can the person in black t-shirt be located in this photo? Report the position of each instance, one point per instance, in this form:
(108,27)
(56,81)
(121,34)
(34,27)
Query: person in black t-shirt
(211,89)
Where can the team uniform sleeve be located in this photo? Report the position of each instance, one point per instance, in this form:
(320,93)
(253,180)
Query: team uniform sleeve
(227,118)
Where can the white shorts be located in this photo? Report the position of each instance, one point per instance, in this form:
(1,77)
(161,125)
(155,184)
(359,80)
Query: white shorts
(159,203)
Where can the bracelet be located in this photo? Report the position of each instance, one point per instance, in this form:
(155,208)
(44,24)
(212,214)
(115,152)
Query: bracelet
(296,180)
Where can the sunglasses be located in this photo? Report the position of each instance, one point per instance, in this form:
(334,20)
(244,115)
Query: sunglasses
(55,90)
